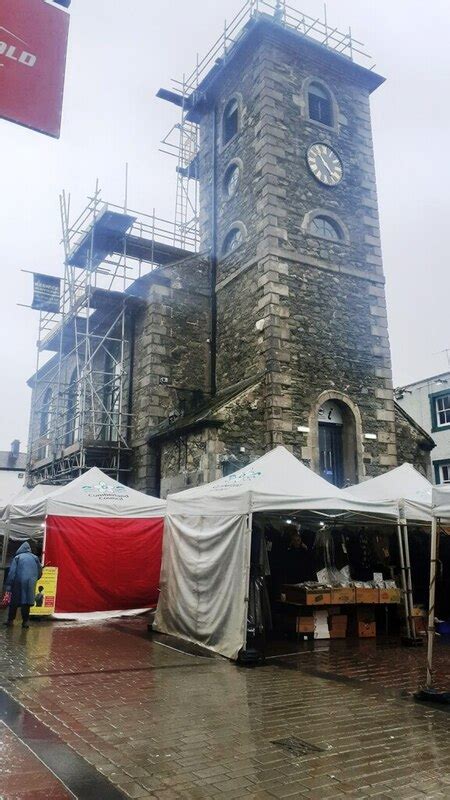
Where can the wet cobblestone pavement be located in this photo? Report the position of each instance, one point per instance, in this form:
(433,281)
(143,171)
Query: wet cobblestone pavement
(158,723)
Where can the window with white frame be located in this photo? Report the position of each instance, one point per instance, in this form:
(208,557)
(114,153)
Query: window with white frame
(442,410)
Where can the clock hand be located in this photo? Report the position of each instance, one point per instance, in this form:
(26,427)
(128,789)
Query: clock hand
(325,165)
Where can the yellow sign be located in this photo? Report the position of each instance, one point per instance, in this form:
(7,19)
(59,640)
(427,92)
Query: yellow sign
(45,593)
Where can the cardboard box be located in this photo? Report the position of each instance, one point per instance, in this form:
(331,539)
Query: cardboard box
(421,625)
(367,630)
(305,625)
(366,595)
(390,595)
(337,624)
(344,595)
(305,597)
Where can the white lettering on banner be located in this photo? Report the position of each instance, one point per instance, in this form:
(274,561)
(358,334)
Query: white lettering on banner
(27,58)
(11,52)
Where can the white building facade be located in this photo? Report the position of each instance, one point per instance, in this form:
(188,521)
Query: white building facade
(428,403)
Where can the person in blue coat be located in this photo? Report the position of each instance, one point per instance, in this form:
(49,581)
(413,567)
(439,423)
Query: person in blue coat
(23,573)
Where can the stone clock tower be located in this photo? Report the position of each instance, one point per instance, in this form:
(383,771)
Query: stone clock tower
(297,333)
(289,207)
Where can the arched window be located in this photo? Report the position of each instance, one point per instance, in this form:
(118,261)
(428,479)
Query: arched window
(72,420)
(233,239)
(231,179)
(325,227)
(230,120)
(45,423)
(320,104)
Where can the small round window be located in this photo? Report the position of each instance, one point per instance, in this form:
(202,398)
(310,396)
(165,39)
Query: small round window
(232,240)
(231,179)
(325,227)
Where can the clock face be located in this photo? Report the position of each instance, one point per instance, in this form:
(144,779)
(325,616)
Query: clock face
(325,164)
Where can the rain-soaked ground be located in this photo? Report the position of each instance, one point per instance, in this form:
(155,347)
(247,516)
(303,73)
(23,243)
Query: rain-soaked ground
(104,712)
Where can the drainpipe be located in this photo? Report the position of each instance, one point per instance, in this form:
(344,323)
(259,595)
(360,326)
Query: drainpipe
(213,260)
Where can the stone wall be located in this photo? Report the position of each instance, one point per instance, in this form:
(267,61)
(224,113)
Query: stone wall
(232,437)
(172,355)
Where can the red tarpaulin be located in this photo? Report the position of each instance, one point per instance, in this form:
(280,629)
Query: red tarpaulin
(104,564)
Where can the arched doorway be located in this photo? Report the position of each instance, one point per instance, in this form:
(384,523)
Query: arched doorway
(336,439)
(331,442)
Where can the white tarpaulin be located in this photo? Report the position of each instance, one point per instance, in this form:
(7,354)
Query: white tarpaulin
(205,568)
(404,485)
(441,502)
(204,579)
(93,494)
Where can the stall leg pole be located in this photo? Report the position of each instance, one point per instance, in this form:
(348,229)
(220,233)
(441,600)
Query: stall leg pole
(431,601)
(409,579)
(403,578)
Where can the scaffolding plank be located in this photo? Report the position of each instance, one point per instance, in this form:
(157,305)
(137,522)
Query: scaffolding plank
(153,251)
(104,237)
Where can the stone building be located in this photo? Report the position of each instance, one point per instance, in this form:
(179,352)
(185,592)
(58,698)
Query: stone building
(276,331)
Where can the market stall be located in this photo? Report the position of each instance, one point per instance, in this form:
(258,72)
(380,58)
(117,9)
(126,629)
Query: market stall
(206,583)
(105,539)
(441,516)
(412,493)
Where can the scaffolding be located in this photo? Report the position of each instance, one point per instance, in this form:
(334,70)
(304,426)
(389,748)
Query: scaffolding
(81,414)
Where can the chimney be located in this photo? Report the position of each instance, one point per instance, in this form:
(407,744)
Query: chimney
(14,452)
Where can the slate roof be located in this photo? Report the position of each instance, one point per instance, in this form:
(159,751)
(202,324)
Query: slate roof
(8,461)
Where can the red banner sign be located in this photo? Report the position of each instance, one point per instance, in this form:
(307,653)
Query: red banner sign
(33,46)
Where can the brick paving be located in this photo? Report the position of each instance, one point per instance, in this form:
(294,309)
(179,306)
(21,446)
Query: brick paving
(22,775)
(380,662)
(166,725)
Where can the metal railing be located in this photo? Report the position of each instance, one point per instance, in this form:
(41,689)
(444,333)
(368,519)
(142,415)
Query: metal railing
(285,15)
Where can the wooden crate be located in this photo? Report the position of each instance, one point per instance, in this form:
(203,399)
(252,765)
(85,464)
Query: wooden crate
(366,595)
(344,595)
(305,597)
(305,625)
(390,595)
(337,624)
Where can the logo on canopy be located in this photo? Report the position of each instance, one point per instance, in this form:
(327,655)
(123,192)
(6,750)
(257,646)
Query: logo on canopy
(106,491)
(239,478)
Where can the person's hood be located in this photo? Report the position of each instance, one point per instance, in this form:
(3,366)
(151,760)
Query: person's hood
(24,548)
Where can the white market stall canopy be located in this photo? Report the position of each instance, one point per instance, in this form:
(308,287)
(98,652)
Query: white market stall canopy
(275,482)
(206,549)
(93,494)
(404,485)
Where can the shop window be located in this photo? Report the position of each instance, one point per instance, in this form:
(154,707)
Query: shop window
(230,120)
(326,228)
(231,179)
(320,105)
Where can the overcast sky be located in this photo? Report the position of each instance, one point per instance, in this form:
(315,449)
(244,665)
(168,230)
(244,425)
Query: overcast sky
(120,53)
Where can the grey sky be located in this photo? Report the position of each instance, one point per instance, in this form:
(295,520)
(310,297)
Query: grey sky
(120,53)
